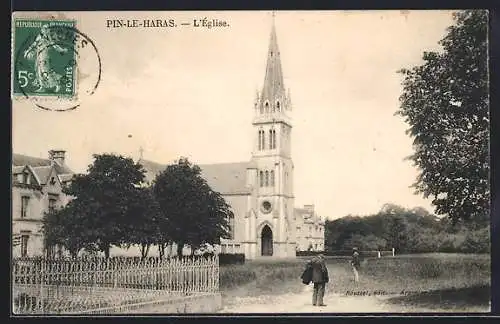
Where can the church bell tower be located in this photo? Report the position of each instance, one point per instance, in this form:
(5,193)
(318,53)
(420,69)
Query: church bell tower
(272,155)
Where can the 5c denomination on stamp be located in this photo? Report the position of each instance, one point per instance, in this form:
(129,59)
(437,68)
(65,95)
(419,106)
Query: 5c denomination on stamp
(51,59)
(45,61)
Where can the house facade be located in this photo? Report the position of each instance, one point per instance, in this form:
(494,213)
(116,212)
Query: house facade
(36,188)
(310,229)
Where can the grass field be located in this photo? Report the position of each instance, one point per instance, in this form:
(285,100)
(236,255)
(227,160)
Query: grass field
(431,281)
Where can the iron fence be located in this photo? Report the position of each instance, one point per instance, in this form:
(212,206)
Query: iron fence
(80,285)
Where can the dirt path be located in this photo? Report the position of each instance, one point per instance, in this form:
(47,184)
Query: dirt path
(301,303)
(335,303)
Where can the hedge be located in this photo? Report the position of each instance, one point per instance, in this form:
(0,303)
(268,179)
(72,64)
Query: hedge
(229,258)
(339,253)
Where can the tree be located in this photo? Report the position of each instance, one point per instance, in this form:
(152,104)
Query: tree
(196,213)
(107,199)
(68,227)
(145,225)
(395,235)
(445,102)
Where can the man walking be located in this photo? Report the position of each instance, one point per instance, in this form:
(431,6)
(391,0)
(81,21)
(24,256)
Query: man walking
(319,279)
(355,264)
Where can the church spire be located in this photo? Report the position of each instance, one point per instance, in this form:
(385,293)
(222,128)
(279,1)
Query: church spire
(273,81)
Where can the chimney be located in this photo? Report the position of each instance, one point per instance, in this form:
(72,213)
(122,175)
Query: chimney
(57,156)
(309,208)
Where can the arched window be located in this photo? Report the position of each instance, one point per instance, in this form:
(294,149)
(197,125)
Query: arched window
(272,178)
(261,178)
(278,108)
(267,179)
(261,140)
(261,109)
(272,139)
(267,107)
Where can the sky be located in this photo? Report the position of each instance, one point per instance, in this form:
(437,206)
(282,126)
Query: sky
(187,91)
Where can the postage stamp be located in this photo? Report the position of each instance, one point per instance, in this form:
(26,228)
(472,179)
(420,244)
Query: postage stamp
(49,58)
(45,58)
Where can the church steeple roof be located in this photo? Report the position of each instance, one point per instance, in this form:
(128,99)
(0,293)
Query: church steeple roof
(273,81)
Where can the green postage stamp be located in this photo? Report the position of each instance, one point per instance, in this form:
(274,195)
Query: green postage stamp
(44,58)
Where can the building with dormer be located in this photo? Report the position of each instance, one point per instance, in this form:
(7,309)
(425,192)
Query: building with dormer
(36,188)
(310,229)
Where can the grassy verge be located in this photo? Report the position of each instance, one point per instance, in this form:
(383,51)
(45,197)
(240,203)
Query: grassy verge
(431,281)
(256,278)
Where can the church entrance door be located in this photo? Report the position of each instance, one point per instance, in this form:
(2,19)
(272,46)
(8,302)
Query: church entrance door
(267,241)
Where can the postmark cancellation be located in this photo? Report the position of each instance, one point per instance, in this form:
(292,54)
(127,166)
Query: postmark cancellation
(54,64)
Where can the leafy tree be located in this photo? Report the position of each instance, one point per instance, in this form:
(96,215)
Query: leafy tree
(408,230)
(396,234)
(106,199)
(445,103)
(368,242)
(68,227)
(477,241)
(196,213)
(145,225)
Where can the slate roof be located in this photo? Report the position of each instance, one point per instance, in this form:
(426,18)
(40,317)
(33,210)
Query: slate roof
(65,177)
(22,160)
(226,178)
(41,168)
(313,217)
(43,173)
(17,169)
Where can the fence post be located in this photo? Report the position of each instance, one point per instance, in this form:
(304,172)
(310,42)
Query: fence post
(393,250)
(42,274)
(114,271)
(216,264)
(378,254)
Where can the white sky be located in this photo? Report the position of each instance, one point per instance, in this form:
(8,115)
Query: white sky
(189,92)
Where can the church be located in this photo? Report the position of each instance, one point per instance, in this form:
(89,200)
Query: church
(260,191)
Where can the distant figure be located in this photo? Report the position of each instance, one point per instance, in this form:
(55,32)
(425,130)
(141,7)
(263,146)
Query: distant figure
(355,264)
(319,277)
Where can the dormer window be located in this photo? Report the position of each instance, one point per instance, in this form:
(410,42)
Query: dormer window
(278,108)
(26,177)
(52,180)
(267,107)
